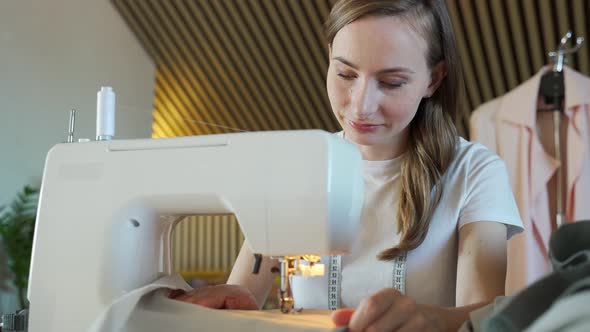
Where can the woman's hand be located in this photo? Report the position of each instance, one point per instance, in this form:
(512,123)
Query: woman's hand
(389,310)
(218,297)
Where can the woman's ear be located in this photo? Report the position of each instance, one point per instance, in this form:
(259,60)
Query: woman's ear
(437,74)
(329,51)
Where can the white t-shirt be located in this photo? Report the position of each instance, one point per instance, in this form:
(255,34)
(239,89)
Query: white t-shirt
(476,188)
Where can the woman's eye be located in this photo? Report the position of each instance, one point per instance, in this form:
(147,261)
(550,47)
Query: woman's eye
(392,85)
(345,76)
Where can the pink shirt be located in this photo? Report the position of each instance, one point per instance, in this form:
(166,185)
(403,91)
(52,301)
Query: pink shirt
(506,125)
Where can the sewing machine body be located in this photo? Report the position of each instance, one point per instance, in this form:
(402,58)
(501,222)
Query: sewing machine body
(107,209)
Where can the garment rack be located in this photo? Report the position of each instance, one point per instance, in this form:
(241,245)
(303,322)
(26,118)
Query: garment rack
(552,87)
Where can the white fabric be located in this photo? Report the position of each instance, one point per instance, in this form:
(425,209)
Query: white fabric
(476,189)
(156,313)
(117,313)
(148,309)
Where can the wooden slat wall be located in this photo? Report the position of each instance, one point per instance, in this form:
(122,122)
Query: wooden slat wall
(227,65)
(206,243)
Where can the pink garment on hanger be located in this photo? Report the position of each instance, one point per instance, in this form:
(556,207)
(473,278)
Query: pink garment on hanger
(506,125)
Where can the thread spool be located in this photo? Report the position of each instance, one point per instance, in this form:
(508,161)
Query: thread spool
(105,114)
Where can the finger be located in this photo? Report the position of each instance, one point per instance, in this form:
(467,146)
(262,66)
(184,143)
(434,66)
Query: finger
(399,314)
(214,296)
(244,300)
(217,301)
(213,302)
(341,317)
(183,296)
(372,308)
(418,323)
(174,293)
(193,294)
(223,297)
(240,303)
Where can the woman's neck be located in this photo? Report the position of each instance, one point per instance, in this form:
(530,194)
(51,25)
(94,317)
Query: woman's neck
(386,151)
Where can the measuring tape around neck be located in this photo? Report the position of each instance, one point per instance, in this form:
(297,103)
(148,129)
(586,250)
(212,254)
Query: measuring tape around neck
(399,272)
(335,278)
(334,282)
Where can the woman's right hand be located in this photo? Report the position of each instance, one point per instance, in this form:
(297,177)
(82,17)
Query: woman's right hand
(218,297)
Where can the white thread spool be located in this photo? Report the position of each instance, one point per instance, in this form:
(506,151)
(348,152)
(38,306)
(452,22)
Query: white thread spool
(105,114)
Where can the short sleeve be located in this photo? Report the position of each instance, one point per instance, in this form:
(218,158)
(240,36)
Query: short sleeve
(487,193)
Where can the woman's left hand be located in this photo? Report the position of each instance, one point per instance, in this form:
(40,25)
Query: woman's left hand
(388,310)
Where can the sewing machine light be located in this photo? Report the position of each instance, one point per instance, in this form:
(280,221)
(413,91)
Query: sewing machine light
(309,266)
(311,258)
(304,265)
(311,270)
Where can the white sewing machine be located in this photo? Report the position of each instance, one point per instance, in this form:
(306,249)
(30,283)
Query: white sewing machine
(107,209)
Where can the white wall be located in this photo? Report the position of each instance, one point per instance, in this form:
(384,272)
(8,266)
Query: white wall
(54,56)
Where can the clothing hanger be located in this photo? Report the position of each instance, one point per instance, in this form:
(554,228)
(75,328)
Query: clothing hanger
(552,88)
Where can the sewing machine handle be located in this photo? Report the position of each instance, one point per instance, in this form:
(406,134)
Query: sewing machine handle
(257,262)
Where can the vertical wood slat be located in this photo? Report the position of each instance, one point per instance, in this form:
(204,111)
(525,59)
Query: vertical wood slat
(202,243)
(518,33)
(477,53)
(535,24)
(208,44)
(243,51)
(252,48)
(466,58)
(184,71)
(547,19)
(199,75)
(175,110)
(282,70)
(563,25)
(282,50)
(218,21)
(309,81)
(490,45)
(582,29)
(504,47)
(174,76)
(161,127)
(206,243)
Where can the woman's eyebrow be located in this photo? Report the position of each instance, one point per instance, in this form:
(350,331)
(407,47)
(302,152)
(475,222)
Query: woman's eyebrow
(346,62)
(382,71)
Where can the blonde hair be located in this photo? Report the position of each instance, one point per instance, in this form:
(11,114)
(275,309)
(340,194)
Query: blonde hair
(433,135)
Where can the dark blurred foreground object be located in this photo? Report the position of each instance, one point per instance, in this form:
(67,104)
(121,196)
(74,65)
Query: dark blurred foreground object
(558,302)
(16,322)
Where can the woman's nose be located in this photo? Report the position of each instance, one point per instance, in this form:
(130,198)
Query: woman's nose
(364,100)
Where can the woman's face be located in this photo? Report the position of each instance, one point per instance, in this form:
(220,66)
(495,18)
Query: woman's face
(377,77)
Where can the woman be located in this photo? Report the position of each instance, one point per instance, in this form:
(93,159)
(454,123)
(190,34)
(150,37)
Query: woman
(440,203)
